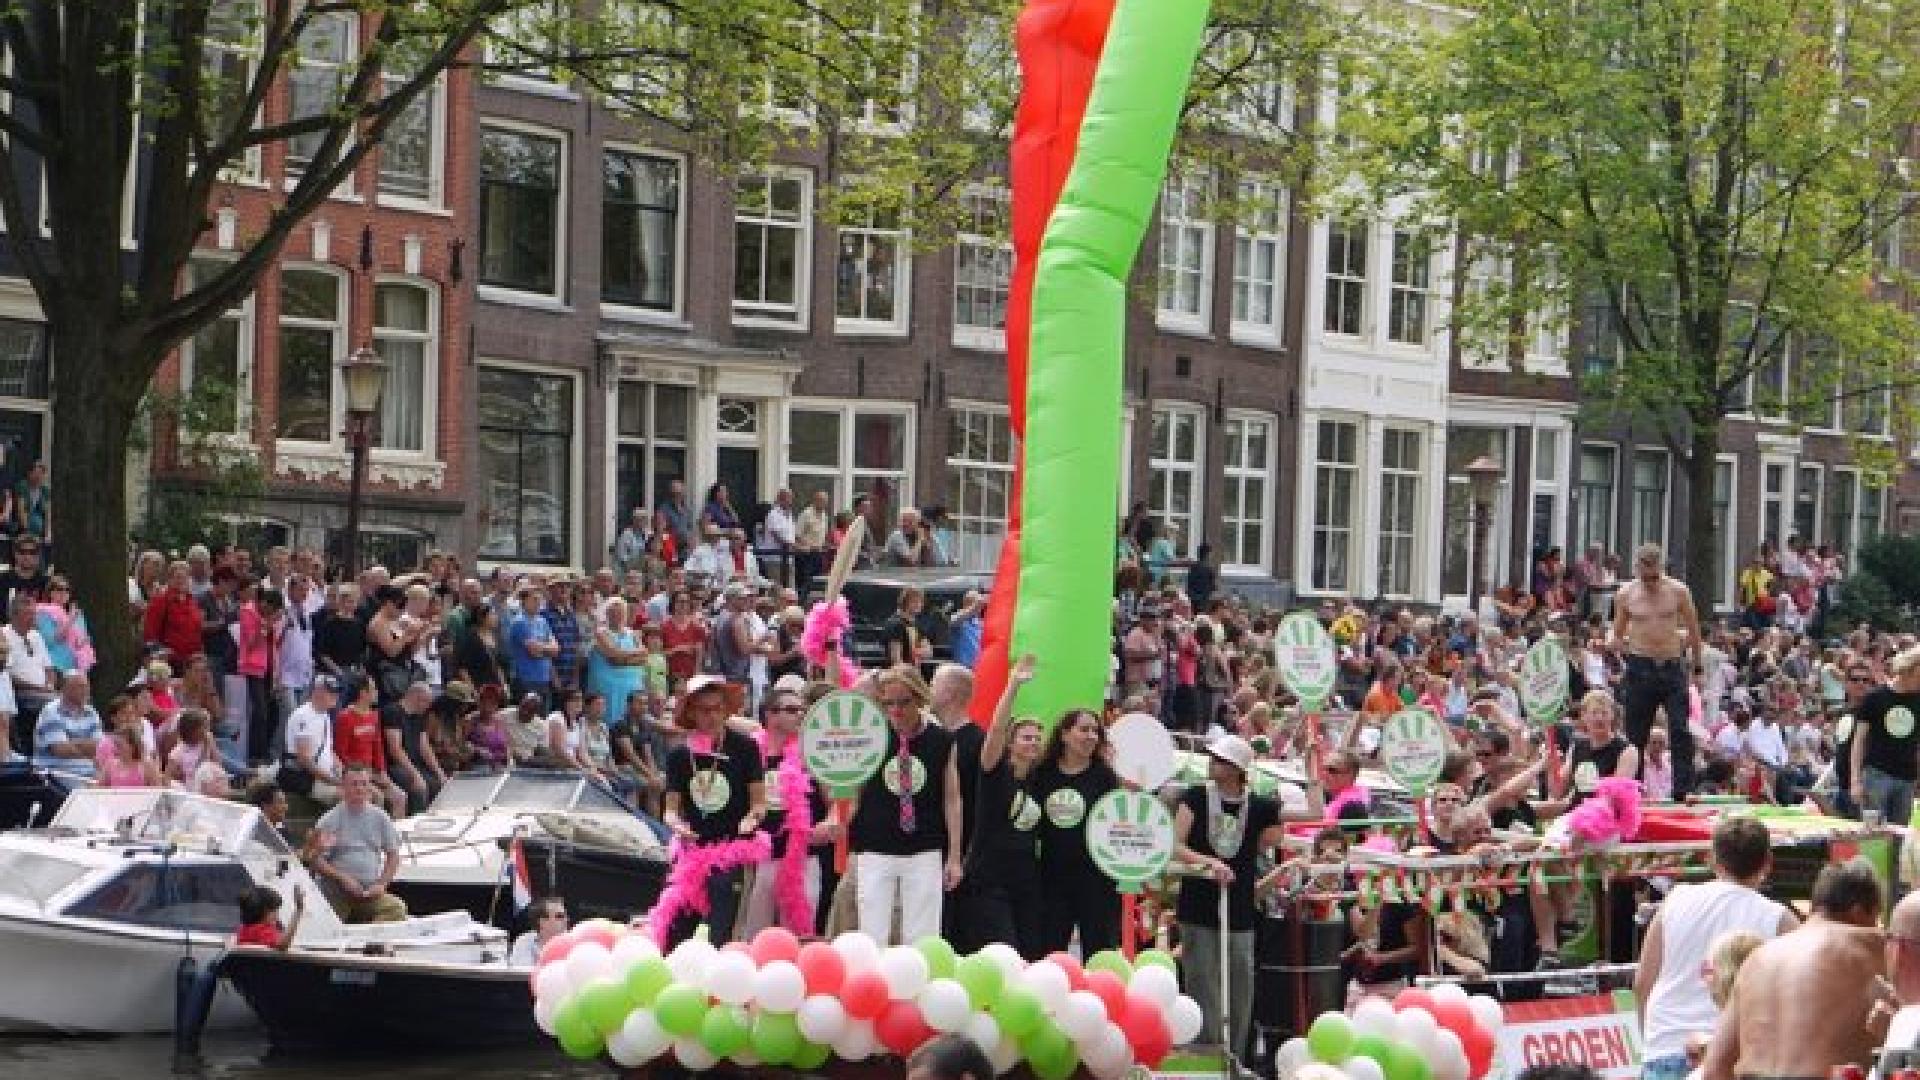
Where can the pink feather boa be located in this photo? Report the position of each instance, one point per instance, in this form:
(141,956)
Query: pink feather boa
(790,877)
(1610,815)
(687,882)
(1352,794)
(826,628)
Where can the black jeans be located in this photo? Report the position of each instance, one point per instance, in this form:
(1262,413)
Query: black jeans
(263,720)
(1004,904)
(1088,902)
(723,907)
(1648,686)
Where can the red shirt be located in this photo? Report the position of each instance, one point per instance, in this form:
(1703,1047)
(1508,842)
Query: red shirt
(356,740)
(173,620)
(260,933)
(680,665)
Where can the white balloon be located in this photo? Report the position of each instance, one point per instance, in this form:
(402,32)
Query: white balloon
(688,961)
(982,1029)
(945,1006)
(1143,751)
(1082,1017)
(551,983)
(1004,1056)
(1184,1020)
(858,950)
(779,987)
(1447,1044)
(1373,1016)
(644,1034)
(822,1020)
(588,961)
(1158,985)
(1445,992)
(1292,1054)
(1450,1067)
(631,950)
(693,1055)
(1364,1068)
(1415,1026)
(730,978)
(1112,1045)
(1006,957)
(1487,1013)
(1049,984)
(906,973)
(622,1051)
(543,1010)
(856,1041)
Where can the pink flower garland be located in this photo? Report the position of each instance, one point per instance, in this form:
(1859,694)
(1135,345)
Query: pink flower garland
(790,878)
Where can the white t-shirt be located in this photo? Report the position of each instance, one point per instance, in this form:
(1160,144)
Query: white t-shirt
(316,727)
(1903,1033)
(1692,918)
(1764,743)
(27,657)
(526,950)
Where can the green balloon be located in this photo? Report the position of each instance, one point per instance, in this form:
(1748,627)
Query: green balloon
(1045,1043)
(776,1037)
(1330,1039)
(725,1030)
(1372,1046)
(811,1056)
(940,957)
(1018,1012)
(570,1021)
(680,1009)
(646,979)
(1154,958)
(981,978)
(1405,1063)
(1058,1065)
(1112,961)
(584,1047)
(606,1005)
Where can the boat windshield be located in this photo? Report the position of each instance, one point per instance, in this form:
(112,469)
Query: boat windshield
(36,876)
(191,896)
(526,790)
(182,819)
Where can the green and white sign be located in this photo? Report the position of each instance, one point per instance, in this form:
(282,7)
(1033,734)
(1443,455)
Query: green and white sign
(1543,682)
(844,740)
(1304,654)
(1413,747)
(1130,836)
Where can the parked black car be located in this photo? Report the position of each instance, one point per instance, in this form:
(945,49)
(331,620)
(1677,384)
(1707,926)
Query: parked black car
(873,596)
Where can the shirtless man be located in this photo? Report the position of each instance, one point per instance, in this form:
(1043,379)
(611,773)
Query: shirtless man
(1656,627)
(1803,1002)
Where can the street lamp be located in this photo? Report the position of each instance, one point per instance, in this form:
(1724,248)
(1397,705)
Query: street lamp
(1483,476)
(365,375)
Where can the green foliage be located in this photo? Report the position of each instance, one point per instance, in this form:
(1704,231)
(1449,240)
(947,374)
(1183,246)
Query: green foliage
(1865,597)
(226,474)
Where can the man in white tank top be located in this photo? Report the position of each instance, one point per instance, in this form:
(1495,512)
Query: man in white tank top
(1670,986)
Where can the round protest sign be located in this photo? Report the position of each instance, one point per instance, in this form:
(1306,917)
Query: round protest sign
(843,741)
(1413,747)
(1304,654)
(1143,751)
(1130,836)
(1543,682)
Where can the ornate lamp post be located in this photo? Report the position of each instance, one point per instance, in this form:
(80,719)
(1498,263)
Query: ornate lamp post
(365,375)
(1483,477)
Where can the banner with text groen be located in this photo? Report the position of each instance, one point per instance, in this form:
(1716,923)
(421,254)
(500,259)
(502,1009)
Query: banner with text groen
(1601,1031)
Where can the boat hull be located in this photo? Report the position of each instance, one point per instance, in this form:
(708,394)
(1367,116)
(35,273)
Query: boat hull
(78,979)
(343,1004)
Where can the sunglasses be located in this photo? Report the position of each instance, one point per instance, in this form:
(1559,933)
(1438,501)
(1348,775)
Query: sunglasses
(788,708)
(898,703)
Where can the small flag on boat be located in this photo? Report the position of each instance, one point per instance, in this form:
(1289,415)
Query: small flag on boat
(522,881)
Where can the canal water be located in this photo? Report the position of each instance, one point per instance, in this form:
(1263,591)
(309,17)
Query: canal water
(243,1057)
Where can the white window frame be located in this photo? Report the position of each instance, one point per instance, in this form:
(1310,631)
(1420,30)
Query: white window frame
(1780,515)
(290,174)
(652,443)
(1612,541)
(1187,235)
(1635,526)
(996,247)
(1419,294)
(1399,475)
(1237,480)
(248,172)
(1355,230)
(1549,327)
(543,83)
(865,116)
(1553,486)
(576,461)
(1256,192)
(871,236)
(1488,271)
(1315,526)
(1728,598)
(436,200)
(771,315)
(563,207)
(429,370)
(242,433)
(958,470)
(1169,469)
(341,328)
(675,315)
(846,477)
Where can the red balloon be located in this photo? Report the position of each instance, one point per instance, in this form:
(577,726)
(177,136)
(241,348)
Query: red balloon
(1076,975)
(1155,1051)
(822,966)
(556,950)
(901,1028)
(1413,998)
(774,944)
(865,995)
(1144,1023)
(1479,1047)
(1454,1016)
(602,934)
(1112,993)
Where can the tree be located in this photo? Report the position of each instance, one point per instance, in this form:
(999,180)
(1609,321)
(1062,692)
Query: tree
(1712,184)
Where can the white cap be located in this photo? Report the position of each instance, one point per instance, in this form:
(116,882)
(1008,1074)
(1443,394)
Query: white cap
(1233,750)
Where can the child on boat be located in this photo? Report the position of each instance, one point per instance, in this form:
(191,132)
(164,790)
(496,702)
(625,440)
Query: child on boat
(260,918)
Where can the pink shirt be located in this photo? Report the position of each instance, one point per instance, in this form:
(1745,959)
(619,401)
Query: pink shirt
(256,644)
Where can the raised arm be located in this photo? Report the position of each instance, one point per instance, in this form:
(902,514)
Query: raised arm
(996,744)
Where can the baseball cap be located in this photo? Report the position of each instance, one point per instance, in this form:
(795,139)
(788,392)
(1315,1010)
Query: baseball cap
(1233,750)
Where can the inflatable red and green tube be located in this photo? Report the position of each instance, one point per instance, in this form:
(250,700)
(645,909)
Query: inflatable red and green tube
(1103,82)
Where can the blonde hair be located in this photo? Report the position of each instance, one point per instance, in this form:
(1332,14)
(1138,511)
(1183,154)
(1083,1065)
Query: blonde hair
(1905,662)
(1597,696)
(1729,951)
(906,677)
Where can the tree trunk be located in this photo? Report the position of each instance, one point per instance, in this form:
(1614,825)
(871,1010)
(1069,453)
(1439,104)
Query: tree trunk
(1703,528)
(95,400)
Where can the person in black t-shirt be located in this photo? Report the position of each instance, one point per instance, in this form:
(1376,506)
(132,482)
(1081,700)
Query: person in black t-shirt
(716,793)
(949,694)
(1073,776)
(1884,743)
(26,575)
(1224,828)
(906,825)
(1005,901)
(411,763)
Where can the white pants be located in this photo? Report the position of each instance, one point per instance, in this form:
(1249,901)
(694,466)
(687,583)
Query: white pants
(914,881)
(760,909)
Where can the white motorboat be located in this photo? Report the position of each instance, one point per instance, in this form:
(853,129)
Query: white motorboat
(579,840)
(98,910)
